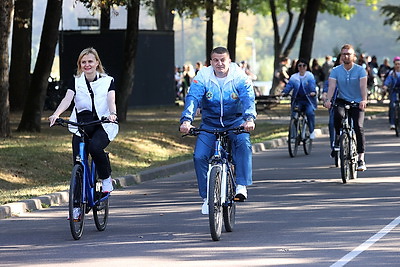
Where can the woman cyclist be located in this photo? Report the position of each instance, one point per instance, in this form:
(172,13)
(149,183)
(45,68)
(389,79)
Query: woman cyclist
(304,92)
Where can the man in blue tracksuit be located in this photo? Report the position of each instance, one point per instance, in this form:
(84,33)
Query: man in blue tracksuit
(225,95)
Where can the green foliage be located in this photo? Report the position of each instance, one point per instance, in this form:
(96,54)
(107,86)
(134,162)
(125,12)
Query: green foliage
(393,14)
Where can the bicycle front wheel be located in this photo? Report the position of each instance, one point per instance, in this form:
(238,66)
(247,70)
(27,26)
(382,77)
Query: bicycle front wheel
(345,157)
(100,210)
(76,207)
(214,202)
(307,142)
(229,208)
(293,138)
(354,156)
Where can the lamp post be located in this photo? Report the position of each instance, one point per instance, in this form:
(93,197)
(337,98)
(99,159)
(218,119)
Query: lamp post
(253,53)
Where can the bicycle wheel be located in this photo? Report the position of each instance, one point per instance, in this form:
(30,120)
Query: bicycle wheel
(354,157)
(100,210)
(345,157)
(307,142)
(215,203)
(293,137)
(229,208)
(397,119)
(75,202)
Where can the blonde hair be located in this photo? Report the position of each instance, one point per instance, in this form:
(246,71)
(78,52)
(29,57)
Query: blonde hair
(85,52)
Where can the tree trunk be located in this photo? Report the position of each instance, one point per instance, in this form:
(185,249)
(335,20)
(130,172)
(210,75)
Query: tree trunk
(307,37)
(279,44)
(163,15)
(128,73)
(6,8)
(20,66)
(105,17)
(32,114)
(209,29)
(233,25)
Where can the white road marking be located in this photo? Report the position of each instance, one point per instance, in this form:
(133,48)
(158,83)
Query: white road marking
(364,246)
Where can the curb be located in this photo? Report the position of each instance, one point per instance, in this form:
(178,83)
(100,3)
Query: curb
(17,208)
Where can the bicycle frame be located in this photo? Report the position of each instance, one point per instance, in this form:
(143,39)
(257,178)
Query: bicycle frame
(89,176)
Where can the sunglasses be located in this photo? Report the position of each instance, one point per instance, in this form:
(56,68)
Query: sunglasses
(302,65)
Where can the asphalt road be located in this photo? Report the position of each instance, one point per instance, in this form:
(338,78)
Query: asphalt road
(298,214)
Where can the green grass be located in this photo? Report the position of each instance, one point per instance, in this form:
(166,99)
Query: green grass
(34,164)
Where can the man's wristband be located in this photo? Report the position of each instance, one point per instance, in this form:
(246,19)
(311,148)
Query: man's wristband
(113,113)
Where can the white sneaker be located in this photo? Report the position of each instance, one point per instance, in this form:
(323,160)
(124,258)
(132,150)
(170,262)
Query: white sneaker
(107,185)
(241,193)
(76,214)
(392,127)
(312,135)
(204,207)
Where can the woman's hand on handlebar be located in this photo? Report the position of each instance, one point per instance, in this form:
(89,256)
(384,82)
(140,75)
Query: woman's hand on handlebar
(113,117)
(185,127)
(53,119)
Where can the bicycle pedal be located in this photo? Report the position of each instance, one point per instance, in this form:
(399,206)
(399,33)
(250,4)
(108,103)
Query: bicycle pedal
(239,198)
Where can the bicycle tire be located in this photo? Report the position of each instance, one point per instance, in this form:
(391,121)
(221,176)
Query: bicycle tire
(293,137)
(214,202)
(345,157)
(397,119)
(229,208)
(354,157)
(75,201)
(101,209)
(307,142)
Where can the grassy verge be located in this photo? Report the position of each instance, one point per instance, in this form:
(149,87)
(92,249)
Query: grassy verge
(33,164)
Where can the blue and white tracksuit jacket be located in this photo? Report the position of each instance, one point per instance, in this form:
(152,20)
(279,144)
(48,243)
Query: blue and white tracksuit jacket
(301,95)
(221,108)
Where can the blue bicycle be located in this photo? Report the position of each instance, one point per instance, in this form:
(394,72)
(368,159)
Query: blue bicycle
(85,192)
(221,182)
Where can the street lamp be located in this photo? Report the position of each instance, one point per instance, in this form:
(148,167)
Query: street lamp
(253,53)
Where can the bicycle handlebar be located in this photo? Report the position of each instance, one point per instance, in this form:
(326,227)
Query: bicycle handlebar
(196,131)
(63,122)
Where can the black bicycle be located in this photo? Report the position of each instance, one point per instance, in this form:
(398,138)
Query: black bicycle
(348,144)
(221,182)
(85,192)
(299,132)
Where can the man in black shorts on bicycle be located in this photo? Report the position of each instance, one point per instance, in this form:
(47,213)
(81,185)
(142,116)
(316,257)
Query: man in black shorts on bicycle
(351,82)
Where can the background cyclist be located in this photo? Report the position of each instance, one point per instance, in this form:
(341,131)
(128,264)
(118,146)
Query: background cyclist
(226,97)
(392,82)
(304,92)
(351,82)
(331,125)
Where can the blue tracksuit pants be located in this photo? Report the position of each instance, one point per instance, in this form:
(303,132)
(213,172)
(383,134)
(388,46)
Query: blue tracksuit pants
(242,158)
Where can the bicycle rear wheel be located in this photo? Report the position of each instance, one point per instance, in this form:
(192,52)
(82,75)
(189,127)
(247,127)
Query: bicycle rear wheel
(76,207)
(345,157)
(293,137)
(307,142)
(101,209)
(229,208)
(215,203)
